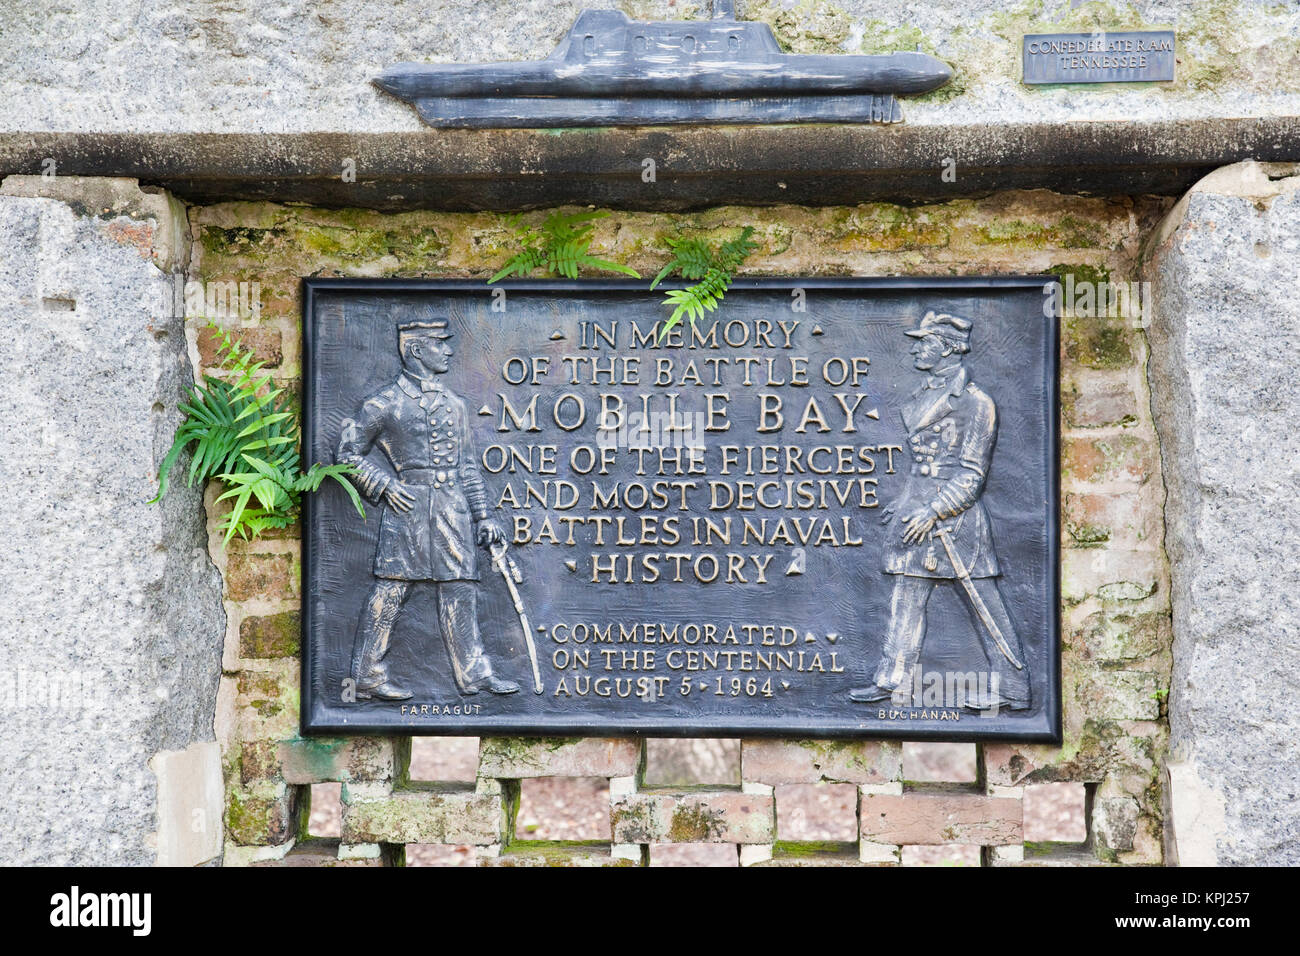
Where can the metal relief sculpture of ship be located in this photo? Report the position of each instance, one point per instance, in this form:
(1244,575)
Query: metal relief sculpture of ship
(614,71)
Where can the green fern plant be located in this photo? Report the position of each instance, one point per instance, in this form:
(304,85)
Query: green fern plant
(558,247)
(713,268)
(243,433)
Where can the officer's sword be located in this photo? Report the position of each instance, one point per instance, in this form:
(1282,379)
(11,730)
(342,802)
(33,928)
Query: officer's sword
(510,571)
(981,608)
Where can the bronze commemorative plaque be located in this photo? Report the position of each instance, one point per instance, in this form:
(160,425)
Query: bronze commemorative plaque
(827,509)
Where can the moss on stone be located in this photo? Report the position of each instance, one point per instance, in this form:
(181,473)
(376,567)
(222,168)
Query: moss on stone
(798,850)
(1066,232)
(695,823)
(1082,272)
(1085,535)
(560,853)
(877,227)
(270,635)
(809,26)
(1098,343)
(255,818)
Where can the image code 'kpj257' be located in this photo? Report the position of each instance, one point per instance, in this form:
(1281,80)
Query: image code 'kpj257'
(828,509)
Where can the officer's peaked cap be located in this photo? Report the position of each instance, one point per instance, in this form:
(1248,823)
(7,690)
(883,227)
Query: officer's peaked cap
(953,328)
(437,328)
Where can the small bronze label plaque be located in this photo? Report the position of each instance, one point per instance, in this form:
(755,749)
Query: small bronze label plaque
(1119,57)
(828,509)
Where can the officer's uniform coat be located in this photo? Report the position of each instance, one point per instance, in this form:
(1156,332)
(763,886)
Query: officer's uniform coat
(951,431)
(422,429)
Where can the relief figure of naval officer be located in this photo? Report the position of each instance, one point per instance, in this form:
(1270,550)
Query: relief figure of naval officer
(411,446)
(938,530)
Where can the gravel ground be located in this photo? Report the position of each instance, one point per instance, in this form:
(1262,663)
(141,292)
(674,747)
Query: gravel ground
(569,808)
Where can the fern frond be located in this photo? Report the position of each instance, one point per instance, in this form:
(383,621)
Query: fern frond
(559,246)
(713,268)
(242,432)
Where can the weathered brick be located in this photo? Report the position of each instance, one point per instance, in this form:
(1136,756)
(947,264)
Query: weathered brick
(812,761)
(1111,575)
(264,341)
(513,757)
(815,854)
(271,694)
(1123,458)
(1126,520)
(1007,765)
(527,855)
(258,761)
(1013,855)
(1091,404)
(941,815)
(1114,822)
(263,814)
(1098,342)
(260,575)
(716,816)
(342,759)
(319,851)
(427,815)
(1120,694)
(1114,635)
(270,635)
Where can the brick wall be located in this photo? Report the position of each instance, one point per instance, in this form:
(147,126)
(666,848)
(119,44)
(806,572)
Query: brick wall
(1115,595)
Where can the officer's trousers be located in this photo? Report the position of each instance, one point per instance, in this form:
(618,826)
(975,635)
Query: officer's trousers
(906,634)
(457,619)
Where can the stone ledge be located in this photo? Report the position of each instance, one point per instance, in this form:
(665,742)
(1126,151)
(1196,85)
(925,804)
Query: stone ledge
(698,166)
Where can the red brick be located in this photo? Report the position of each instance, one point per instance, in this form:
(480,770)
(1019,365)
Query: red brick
(929,817)
(1006,765)
(813,761)
(1100,403)
(720,816)
(1123,519)
(1126,458)
(514,757)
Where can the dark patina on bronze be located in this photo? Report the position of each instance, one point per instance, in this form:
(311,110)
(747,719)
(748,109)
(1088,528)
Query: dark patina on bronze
(829,509)
(614,71)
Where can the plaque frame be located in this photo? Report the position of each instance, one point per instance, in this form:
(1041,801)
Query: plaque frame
(314,721)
